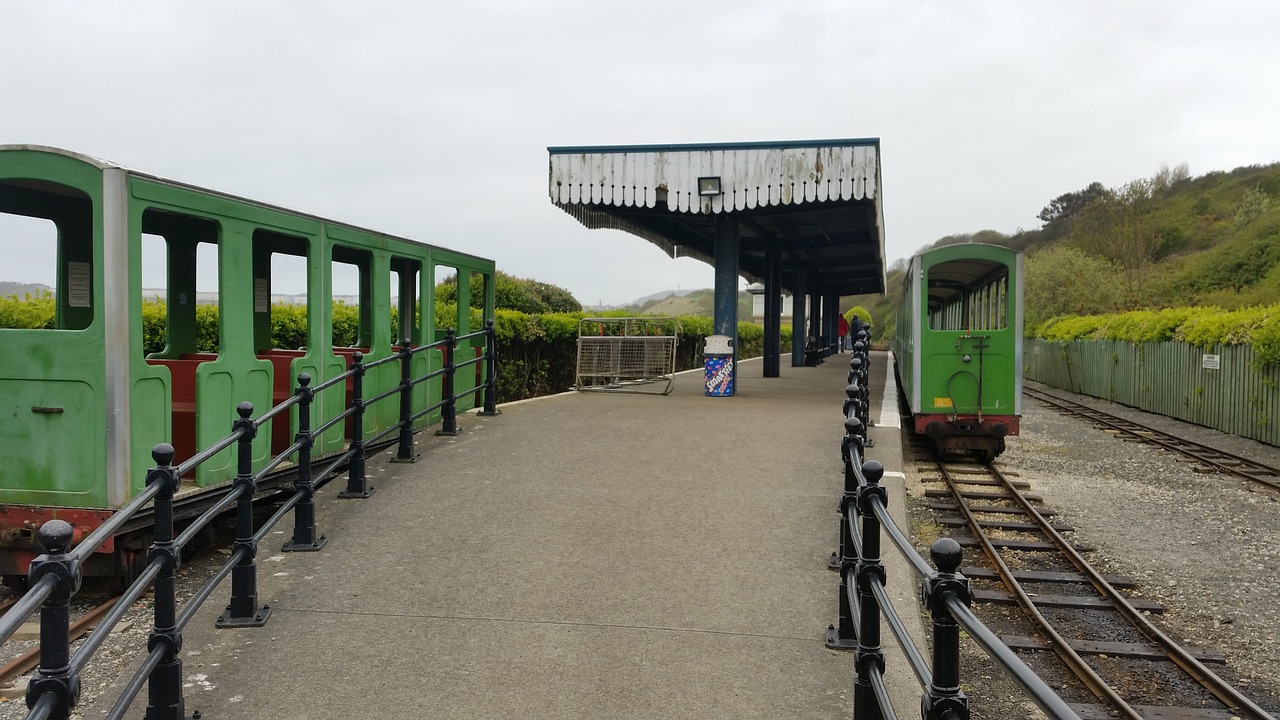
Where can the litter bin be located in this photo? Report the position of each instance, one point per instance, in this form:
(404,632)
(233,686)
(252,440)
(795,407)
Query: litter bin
(717,365)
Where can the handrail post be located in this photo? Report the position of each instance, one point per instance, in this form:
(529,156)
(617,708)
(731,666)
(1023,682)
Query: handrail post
(862,355)
(404,450)
(842,635)
(304,513)
(850,452)
(449,410)
(944,700)
(870,570)
(357,488)
(54,673)
(243,610)
(164,686)
(491,370)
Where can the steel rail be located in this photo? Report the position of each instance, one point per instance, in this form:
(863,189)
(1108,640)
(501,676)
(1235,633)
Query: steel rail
(29,659)
(1061,646)
(1194,450)
(1229,695)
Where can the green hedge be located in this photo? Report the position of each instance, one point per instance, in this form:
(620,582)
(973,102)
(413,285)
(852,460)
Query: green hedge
(537,354)
(30,312)
(1257,327)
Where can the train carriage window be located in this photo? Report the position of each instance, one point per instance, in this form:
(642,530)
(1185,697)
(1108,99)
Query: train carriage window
(352,324)
(479,286)
(29,283)
(406,303)
(280,292)
(46,237)
(968,295)
(446,279)
(179,288)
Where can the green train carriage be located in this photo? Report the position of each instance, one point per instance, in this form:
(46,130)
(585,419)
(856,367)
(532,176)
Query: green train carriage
(958,346)
(83,403)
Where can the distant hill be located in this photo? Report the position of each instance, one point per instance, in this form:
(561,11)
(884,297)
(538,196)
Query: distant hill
(659,296)
(22,289)
(700,303)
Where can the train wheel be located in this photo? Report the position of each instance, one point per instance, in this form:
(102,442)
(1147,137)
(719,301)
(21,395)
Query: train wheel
(985,456)
(129,565)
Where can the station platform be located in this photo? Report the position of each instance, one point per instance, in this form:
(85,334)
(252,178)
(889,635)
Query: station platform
(585,555)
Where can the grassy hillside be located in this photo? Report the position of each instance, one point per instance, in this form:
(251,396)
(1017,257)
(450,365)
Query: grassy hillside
(699,302)
(1170,240)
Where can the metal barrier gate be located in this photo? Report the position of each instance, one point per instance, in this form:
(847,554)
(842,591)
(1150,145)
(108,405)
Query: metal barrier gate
(627,354)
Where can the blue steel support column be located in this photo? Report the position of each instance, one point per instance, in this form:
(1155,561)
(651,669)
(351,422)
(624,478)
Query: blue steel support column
(726,299)
(797,319)
(772,307)
(832,309)
(815,313)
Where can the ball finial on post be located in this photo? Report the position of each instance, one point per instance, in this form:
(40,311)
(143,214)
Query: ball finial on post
(55,536)
(163,454)
(946,554)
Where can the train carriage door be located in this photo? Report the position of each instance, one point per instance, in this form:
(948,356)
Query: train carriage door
(281,323)
(480,289)
(351,320)
(966,337)
(181,323)
(53,364)
(406,276)
(446,316)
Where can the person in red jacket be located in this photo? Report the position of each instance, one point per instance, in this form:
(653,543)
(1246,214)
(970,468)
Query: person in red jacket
(842,329)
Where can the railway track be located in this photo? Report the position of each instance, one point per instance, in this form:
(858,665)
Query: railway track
(1212,459)
(25,661)
(1126,666)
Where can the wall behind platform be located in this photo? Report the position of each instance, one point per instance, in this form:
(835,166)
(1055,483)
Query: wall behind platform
(1221,388)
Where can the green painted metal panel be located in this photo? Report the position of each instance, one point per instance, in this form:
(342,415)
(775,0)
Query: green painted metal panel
(52,382)
(931,365)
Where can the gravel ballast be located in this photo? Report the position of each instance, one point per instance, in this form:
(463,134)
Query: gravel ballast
(1205,545)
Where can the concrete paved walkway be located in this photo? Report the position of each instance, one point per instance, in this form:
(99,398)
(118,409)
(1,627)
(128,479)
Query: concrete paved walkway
(582,556)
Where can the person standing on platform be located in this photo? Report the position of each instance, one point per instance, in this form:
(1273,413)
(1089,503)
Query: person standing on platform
(842,329)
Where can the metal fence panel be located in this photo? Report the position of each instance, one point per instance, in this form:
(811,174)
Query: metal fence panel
(1220,388)
(626,354)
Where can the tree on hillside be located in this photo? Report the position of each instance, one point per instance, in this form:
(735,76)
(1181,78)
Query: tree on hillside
(1167,179)
(513,293)
(1063,280)
(1117,227)
(1064,207)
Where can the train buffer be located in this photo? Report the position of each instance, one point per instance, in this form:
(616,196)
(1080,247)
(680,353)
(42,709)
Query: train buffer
(588,555)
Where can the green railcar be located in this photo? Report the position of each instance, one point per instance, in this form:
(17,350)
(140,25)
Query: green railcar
(83,403)
(958,346)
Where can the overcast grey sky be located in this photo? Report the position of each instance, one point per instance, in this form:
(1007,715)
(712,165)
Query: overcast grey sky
(432,119)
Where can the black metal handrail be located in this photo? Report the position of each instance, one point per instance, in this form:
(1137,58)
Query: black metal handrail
(863,599)
(55,576)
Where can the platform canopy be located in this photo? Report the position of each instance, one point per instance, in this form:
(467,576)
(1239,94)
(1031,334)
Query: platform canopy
(819,199)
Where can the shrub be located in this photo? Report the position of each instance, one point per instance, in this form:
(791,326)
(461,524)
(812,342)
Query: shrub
(154,323)
(29,312)
(1257,327)
(346,324)
(288,326)
(858,311)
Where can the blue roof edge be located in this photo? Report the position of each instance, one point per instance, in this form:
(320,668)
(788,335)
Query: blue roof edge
(780,144)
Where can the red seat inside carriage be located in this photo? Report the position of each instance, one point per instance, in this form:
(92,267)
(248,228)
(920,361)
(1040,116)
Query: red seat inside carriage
(182,372)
